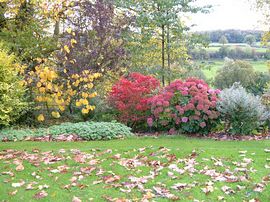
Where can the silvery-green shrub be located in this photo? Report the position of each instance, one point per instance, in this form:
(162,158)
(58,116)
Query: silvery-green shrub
(242,112)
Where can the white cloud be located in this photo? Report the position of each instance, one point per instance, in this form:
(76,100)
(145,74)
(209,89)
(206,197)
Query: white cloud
(228,14)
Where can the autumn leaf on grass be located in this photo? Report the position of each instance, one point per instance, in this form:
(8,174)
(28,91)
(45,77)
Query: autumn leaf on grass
(18,184)
(221,198)
(179,186)
(165,193)
(242,152)
(111,178)
(41,195)
(209,187)
(12,193)
(11,174)
(259,187)
(80,158)
(76,199)
(267,150)
(20,167)
(227,190)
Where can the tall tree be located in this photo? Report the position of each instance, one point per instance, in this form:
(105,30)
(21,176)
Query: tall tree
(250,39)
(223,40)
(264,7)
(158,25)
(95,42)
(24,30)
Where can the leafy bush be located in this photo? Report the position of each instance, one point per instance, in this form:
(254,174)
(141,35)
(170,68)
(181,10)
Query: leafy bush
(187,105)
(130,96)
(12,91)
(234,71)
(57,94)
(260,83)
(85,130)
(196,73)
(241,111)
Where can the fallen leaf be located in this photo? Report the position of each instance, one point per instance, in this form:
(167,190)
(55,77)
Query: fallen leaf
(18,184)
(259,187)
(221,198)
(20,167)
(41,195)
(13,192)
(76,199)
(267,150)
(227,190)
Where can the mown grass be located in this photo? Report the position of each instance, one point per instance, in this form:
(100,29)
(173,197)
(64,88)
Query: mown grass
(180,146)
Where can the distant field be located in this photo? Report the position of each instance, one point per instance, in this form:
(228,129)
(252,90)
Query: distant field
(211,67)
(214,47)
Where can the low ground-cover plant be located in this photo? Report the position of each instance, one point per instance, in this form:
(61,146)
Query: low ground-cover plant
(92,130)
(130,97)
(241,111)
(186,105)
(85,130)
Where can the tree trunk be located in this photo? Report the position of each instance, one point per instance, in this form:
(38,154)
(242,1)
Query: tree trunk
(56,28)
(2,15)
(169,53)
(163,54)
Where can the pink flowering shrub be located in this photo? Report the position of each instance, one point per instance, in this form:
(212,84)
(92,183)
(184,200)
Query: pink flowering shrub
(189,106)
(130,97)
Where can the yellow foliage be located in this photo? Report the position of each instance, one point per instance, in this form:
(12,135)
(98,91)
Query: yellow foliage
(66,48)
(40,118)
(73,41)
(39,84)
(84,101)
(85,111)
(84,95)
(69,30)
(42,90)
(56,92)
(55,114)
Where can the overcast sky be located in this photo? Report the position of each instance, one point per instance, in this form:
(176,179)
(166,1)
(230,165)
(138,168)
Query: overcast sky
(228,14)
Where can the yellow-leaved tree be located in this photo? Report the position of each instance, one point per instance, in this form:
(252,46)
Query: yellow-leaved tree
(58,91)
(12,90)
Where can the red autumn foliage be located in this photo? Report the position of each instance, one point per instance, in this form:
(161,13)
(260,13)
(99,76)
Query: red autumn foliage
(130,97)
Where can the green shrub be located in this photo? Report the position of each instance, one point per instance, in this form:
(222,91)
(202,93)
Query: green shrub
(195,72)
(261,80)
(234,71)
(85,130)
(11,89)
(103,131)
(241,111)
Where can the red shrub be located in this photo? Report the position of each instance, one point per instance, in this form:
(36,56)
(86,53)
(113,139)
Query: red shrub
(130,97)
(189,106)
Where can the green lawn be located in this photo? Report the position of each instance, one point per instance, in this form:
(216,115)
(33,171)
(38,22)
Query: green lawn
(211,67)
(155,169)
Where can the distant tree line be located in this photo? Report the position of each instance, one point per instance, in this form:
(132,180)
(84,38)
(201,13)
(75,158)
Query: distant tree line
(230,52)
(233,36)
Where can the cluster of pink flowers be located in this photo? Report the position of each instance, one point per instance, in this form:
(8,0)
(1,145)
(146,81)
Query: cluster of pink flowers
(131,95)
(188,105)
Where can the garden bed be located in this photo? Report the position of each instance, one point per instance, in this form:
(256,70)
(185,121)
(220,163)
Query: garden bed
(213,136)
